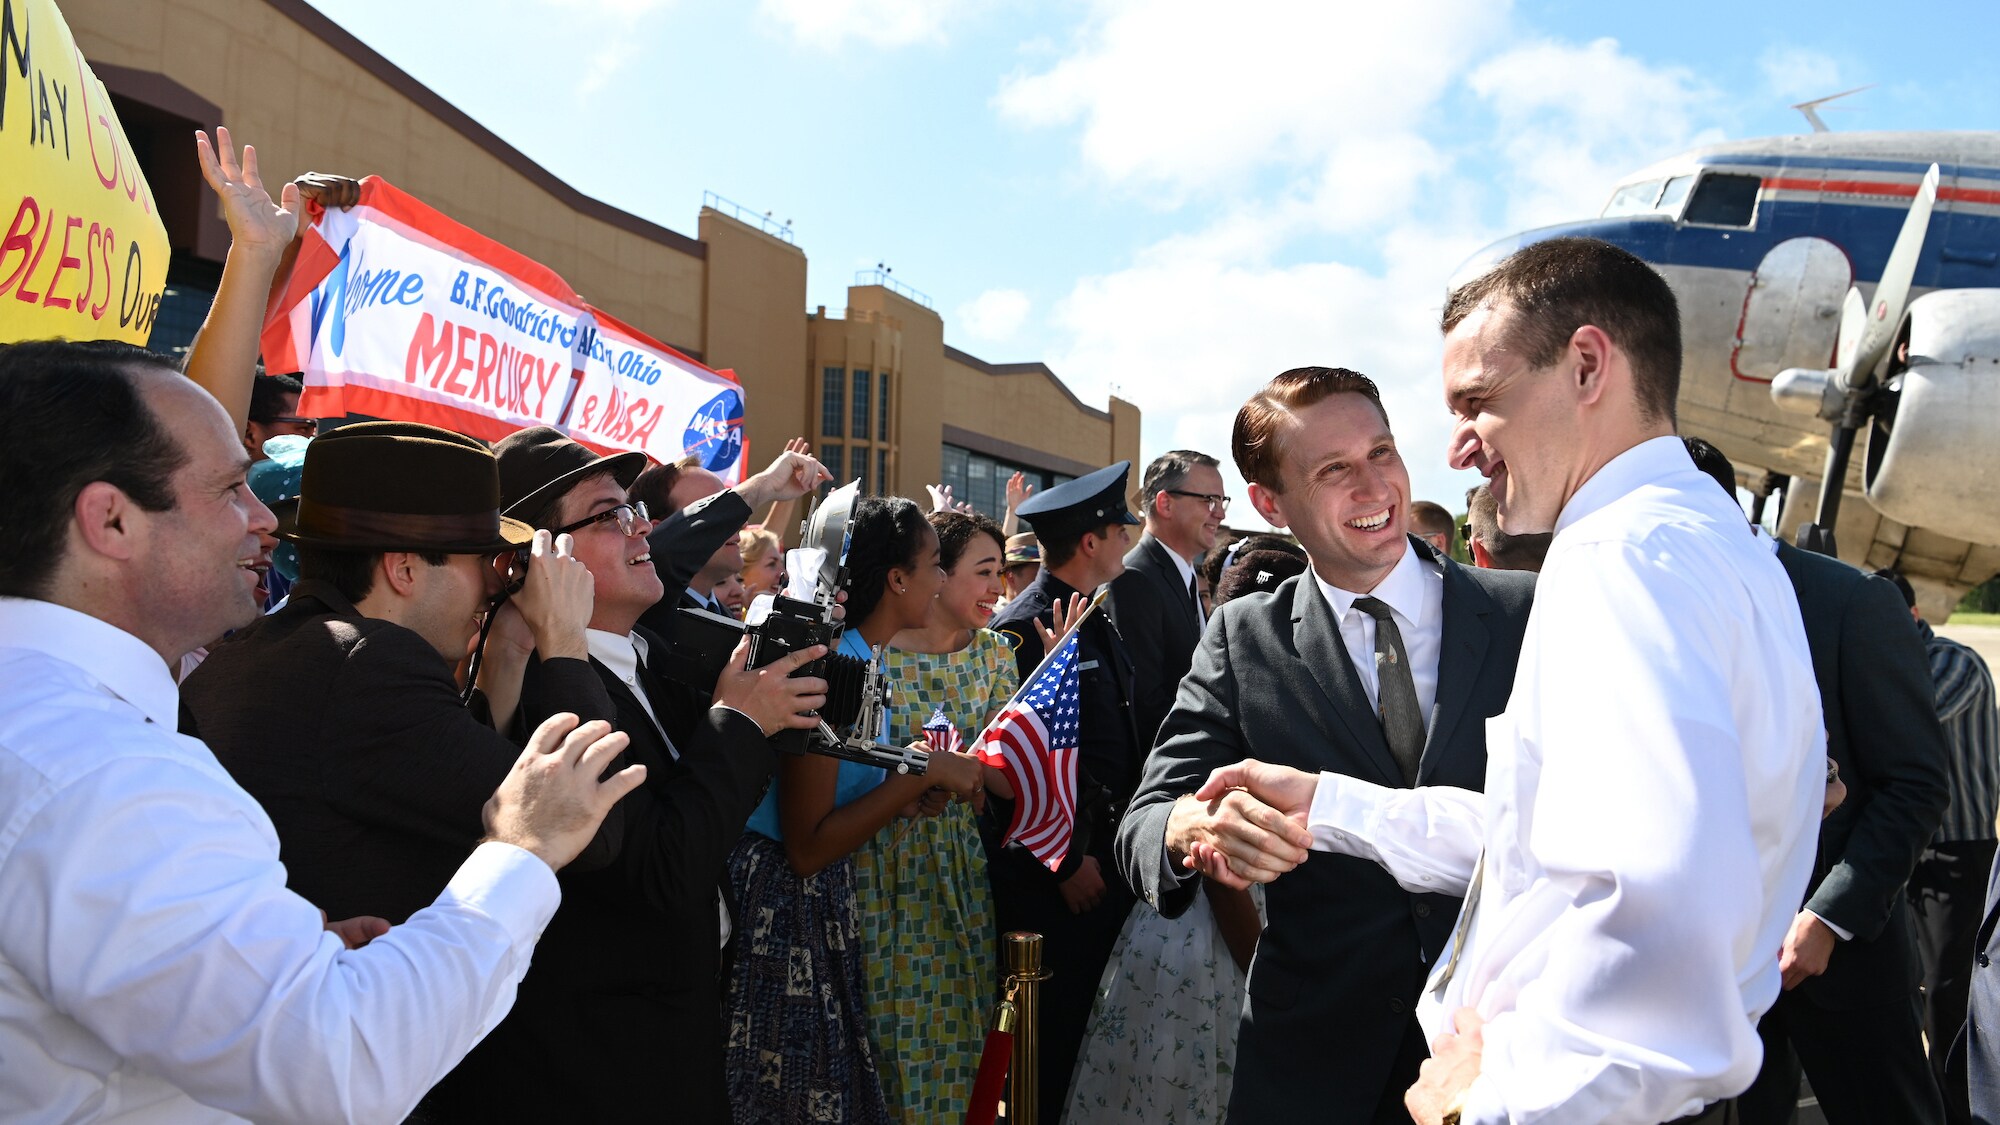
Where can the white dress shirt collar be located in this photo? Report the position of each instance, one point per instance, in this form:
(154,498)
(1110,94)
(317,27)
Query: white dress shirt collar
(1643,464)
(1402,590)
(123,663)
(620,652)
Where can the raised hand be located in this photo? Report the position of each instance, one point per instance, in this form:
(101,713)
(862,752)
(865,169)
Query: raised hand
(789,477)
(1018,489)
(329,190)
(771,696)
(552,802)
(1067,617)
(255,223)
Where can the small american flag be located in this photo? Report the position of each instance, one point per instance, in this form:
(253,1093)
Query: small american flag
(1033,741)
(941,733)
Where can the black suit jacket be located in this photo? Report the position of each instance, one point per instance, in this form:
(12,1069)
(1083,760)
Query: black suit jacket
(627,976)
(1160,626)
(682,544)
(1876,696)
(349,731)
(1345,950)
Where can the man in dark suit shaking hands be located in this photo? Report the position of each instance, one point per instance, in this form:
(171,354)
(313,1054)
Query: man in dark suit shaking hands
(1154,601)
(1382,662)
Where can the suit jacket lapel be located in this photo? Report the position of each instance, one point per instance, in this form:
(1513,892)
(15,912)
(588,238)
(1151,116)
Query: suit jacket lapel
(1168,576)
(1461,651)
(1317,635)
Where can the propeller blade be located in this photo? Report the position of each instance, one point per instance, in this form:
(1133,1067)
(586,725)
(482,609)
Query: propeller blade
(1893,291)
(1853,322)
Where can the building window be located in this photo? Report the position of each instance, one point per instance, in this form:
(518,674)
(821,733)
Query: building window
(830,456)
(859,465)
(861,400)
(982,481)
(882,414)
(882,471)
(833,402)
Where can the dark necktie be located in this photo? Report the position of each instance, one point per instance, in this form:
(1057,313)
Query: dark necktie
(1396,690)
(1194,599)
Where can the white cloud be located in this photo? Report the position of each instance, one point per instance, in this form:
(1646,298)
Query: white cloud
(993,316)
(1796,74)
(1200,319)
(1575,118)
(830,24)
(605,63)
(1186,95)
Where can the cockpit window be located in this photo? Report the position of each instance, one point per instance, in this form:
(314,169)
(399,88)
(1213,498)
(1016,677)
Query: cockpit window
(1676,191)
(1632,199)
(1724,200)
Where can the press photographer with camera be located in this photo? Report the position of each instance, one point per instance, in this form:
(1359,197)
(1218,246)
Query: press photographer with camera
(629,969)
(793,875)
(339,713)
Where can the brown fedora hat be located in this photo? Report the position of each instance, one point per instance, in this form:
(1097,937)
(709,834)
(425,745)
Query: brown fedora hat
(540,463)
(402,486)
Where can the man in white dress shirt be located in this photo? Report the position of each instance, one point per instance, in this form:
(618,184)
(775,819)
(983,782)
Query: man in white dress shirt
(153,966)
(1654,786)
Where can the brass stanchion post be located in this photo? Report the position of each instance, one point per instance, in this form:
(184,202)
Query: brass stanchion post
(1025,975)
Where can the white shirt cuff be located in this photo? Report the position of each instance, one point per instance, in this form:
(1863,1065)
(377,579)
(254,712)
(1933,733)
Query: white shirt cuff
(510,885)
(1342,814)
(1837,931)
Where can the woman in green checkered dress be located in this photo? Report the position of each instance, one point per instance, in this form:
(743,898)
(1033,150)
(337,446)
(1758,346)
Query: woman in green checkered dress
(926,903)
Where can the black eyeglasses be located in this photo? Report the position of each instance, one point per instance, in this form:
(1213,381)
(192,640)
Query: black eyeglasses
(309,425)
(629,517)
(1219,503)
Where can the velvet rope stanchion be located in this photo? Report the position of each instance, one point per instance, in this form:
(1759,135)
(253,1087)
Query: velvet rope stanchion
(992,1079)
(1025,975)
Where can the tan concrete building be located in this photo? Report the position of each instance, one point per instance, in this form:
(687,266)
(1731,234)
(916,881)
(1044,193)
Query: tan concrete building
(876,389)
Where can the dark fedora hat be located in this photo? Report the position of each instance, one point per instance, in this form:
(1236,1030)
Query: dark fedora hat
(541,463)
(401,486)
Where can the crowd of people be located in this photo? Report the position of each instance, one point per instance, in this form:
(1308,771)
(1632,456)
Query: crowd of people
(363,771)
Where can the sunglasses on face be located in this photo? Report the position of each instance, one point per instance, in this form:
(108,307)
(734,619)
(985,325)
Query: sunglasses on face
(628,516)
(309,425)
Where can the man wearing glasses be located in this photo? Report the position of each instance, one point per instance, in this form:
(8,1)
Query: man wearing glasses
(629,971)
(1154,602)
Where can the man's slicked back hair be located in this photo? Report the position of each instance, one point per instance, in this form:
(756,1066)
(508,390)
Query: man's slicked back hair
(1256,441)
(71,414)
(1552,288)
(1168,472)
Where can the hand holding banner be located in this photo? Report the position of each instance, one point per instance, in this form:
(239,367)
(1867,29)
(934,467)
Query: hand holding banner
(396,311)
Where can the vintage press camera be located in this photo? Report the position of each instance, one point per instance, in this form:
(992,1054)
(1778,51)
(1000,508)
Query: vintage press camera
(857,699)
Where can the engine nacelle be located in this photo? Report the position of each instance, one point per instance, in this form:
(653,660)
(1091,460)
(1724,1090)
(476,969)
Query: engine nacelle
(1934,454)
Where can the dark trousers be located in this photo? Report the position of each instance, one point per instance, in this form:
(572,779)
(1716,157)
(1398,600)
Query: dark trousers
(1867,1065)
(1947,901)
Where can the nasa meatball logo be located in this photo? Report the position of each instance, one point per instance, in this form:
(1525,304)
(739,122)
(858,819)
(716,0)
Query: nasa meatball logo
(715,433)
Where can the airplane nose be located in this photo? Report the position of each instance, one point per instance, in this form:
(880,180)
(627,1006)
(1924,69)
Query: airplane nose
(1643,235)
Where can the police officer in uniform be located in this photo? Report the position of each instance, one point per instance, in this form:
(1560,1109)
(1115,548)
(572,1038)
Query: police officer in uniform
(1084,528)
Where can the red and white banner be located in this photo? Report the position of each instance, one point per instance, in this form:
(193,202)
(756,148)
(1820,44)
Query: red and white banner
(395,311)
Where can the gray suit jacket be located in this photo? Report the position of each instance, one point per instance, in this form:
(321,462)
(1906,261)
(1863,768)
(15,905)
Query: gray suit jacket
(1345,950)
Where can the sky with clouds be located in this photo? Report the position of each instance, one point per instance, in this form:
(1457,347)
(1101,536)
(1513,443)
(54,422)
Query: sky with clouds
(1162,199)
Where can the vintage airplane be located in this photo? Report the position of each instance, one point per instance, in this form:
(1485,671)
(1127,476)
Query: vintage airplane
(1835,284)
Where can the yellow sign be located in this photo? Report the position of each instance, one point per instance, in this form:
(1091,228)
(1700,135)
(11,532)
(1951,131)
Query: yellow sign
(84,255)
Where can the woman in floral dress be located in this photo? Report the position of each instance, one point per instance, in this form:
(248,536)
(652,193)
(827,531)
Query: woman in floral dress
(926,903)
